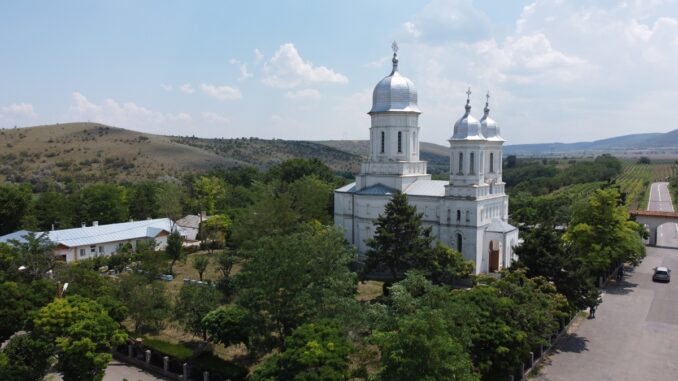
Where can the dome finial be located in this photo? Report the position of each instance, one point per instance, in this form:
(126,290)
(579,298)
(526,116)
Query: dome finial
(487,103)
(394,46)
(468,100)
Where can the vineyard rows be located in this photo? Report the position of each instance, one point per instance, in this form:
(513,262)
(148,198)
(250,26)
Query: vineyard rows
(634,180)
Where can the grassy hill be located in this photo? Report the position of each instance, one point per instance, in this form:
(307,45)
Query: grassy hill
(436,155)
(88,152)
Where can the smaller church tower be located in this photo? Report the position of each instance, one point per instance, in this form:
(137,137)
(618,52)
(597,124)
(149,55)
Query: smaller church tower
(394,134)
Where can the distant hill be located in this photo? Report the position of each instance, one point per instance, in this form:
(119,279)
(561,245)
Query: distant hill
(436,155)
(88,152)
(626,145)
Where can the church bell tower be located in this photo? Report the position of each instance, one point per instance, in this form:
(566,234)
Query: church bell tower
(394,134)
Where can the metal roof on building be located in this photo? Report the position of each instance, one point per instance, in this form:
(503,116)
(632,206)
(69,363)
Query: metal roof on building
(126,231)
(499,226)
(434,188)
(16,236)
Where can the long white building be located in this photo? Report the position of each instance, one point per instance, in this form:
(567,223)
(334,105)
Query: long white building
(87,242)
(469,212)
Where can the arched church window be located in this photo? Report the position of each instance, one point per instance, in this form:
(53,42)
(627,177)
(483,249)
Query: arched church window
(383,141)
(471,162)
(400,142)
(461,162)
(449,215)
(459,242)
(458,215)
(491,162)
(468,216)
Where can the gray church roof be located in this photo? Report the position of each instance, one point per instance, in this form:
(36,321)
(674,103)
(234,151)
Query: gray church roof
(435,188)
(499,226)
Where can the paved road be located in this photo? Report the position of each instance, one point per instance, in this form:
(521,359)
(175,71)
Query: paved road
(660,200)
(635,333)
(117,371)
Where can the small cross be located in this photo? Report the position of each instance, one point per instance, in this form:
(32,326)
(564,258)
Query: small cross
(468,94)
(487,96)
(394,46)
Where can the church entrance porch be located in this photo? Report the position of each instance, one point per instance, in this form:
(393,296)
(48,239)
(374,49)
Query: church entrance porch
(494,257)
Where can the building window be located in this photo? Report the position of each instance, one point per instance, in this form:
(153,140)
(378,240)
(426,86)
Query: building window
(449,216)
(83,253)
(400,142)
(101,249)
(459,242)
(461,162)
(414,141)
(383,141)
(491,162)
(468,216)
(471,162)
(458,215)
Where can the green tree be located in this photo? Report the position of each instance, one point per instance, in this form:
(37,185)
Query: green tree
(25,358)
(36,254)
(200,263)
(442,264)
(20,303)
(84,335)
(271,214)
(175,249)
(208,193)
(169,197)
(228,325)
(214,231)
(644,160)
(53,209)
(543,253)
(14,203)
(293,279)
(144,200)
(399,237)
(292,170)
(312,199)
(145,300)
(422,348)
(602,234)
(105,203)
(314,351)
(193,303)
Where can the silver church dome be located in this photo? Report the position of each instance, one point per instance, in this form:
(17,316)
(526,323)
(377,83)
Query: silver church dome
(467,127)
(488,126)
(395,92)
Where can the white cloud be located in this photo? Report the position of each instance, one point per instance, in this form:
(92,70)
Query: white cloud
(258,56)
(304,94)
(287,69)
(214,118)
(221,93)
(17,114)
(411,29)
(126,115)
(446,20)
(20,110)
(187,88)
(244,73)
(166,87)
(378,63)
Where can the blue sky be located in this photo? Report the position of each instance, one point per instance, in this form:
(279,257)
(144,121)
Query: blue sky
(558,70)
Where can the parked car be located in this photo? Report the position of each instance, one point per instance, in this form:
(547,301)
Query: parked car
(661,274)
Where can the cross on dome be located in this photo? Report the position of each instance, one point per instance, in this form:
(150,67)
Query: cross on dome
(468,100)
(394,46)
(487,102)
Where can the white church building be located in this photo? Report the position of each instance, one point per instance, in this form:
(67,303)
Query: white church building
(468,213)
